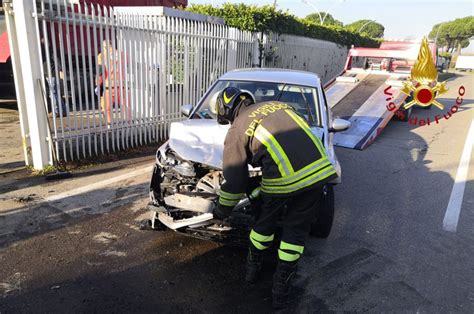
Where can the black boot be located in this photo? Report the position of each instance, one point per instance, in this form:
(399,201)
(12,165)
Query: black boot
(281,284)
(254,264)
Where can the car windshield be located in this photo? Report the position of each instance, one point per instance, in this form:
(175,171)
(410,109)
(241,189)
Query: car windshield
(302,98)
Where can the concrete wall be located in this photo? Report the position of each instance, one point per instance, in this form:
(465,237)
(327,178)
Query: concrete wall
(301,53)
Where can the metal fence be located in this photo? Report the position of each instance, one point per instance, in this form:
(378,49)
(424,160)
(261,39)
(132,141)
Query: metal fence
(114,78)
(119,78)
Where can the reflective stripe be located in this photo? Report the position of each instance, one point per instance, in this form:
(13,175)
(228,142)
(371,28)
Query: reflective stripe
(226,202)
(226,99)
(292,247)
(258,245)
(257,239)
(313,167)
(275,150)
(287,257)
(316,177)
(229,199)
(260,237)
(255,193)
(304,125)
(231,196)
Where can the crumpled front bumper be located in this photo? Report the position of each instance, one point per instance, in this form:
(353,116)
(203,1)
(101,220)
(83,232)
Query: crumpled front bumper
(202,207)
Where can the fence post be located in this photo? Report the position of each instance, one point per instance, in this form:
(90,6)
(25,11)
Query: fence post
(232,42)
(257,55)
(27,63)
(13,44)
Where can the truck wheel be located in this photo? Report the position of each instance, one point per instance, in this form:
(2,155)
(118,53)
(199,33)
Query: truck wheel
(406,114)
(403,114)
(321,228)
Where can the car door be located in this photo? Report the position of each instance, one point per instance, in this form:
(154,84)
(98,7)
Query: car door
(328,136)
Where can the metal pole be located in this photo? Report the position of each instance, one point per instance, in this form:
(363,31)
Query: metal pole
(332,7)
(437,33)
(17,77)
(360,29)
(321,21)
(29,53)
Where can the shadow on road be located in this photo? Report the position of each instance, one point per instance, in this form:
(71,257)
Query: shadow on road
(38,216)
(168,274)
(388,250)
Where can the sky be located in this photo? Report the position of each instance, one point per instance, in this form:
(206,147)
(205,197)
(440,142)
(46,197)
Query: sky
(403,19)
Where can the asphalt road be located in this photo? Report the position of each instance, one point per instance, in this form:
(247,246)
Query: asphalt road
(388,250)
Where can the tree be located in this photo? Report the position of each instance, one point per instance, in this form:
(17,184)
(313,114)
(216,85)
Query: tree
(453,33)
(270,19)
(374,29)
(326,17)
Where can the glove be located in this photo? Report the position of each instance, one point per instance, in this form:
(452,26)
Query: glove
(222,212)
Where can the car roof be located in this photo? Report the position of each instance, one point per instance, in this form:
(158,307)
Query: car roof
(273,75)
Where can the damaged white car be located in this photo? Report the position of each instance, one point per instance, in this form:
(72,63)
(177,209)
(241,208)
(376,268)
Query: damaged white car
(188,171)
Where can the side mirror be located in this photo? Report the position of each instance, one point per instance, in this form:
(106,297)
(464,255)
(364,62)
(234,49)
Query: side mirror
(186,110)
(339,125)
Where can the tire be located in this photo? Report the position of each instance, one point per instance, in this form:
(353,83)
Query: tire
(403,114)
(321,227)
(407,114)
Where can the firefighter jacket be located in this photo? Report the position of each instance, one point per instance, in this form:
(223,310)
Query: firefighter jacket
(271,135)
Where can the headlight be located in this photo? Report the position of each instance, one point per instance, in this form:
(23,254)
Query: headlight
(167,158)
(185,169)
(163,158)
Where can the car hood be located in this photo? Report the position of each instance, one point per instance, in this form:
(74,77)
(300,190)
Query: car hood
(199,140)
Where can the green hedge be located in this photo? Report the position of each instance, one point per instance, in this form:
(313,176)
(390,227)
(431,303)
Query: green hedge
(268,19)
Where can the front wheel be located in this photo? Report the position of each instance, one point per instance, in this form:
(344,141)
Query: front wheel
(321,227)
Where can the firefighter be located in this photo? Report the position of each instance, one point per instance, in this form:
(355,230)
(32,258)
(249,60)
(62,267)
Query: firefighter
(295,166)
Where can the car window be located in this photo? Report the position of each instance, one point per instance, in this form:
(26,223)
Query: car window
(303,99)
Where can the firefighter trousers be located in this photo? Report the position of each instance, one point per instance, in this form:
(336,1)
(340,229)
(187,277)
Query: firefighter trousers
(295,214)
